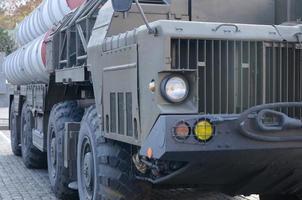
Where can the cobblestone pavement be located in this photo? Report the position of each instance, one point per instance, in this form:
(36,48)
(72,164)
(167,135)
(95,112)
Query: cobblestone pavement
(19,183)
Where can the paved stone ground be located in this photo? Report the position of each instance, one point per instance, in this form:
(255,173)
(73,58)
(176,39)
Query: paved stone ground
(19,183)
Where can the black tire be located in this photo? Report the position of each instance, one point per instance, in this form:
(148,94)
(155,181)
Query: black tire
(59,175)
(32,157)
(103,166)
(15,131)
(278,197)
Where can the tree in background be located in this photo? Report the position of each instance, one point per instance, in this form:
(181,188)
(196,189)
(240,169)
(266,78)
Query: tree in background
(13,11)
(10,5)
(7,45)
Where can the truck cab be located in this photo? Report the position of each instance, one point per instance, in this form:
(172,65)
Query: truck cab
(167,94)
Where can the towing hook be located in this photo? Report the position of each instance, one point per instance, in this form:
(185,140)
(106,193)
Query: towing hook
(284,121)
(277,128)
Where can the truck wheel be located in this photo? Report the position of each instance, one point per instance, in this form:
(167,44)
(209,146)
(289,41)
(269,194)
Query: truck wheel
(32,157)
(15,131)
(59,175)
(104,167)
(278,197)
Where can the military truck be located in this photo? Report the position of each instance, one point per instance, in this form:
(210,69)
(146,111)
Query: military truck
(123,96)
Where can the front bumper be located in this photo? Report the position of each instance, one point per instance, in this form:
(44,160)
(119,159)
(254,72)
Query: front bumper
(241,158)
(232,132)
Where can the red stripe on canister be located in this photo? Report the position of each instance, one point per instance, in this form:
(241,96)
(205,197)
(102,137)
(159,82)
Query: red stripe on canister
(72,4)
(43,48)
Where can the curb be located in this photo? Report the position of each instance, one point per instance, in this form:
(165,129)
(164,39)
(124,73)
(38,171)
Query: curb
(3,128)
(4,124)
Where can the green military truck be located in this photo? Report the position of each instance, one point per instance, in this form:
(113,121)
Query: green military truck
(122,96)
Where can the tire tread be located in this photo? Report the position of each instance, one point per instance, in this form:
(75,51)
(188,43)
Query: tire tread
(114,164)
(33,158)
(67,111)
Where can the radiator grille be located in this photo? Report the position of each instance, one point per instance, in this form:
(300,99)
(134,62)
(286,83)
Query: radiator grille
(112,112)
(129,114)
(236,75)
(121,114)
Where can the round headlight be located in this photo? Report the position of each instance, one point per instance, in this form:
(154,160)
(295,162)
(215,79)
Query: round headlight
(175,89)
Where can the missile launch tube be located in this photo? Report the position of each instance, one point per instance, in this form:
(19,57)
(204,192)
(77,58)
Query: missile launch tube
(27,64)
(43,18)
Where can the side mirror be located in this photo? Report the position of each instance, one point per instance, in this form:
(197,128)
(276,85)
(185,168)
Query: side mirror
(121,5)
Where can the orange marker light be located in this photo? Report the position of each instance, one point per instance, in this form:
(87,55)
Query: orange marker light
(152,86)
(149,153)
(182,131)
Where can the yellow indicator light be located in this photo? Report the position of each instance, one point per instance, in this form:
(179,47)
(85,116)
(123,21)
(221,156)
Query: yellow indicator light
(204,131)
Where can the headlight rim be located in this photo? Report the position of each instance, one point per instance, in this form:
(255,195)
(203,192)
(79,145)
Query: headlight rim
(163,88)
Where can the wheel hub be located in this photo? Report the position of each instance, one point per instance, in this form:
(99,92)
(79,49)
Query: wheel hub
(53,156)
(13,128)
(24,136)
(53,151)
(87,169)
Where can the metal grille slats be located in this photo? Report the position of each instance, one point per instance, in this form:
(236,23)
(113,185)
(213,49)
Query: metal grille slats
(236,75)
(121,114)
(284,62)
(113,113)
